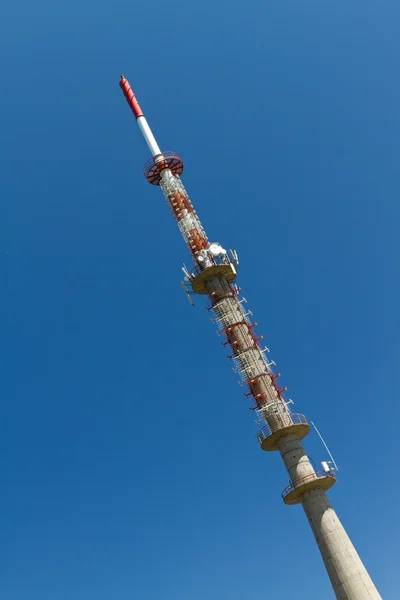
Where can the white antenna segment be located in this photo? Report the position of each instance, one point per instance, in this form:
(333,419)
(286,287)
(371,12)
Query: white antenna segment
(326,447)
(187,293)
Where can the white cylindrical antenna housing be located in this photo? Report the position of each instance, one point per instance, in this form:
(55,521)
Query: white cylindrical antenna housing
(148,136)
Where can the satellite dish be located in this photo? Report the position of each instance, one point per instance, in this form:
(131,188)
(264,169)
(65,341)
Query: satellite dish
(216,249)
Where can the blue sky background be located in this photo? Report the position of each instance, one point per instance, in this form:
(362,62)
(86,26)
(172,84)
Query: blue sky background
(129,466)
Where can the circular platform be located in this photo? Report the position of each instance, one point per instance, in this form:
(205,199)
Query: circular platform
(270,443)
(322,481)
(199,283)
(166,160)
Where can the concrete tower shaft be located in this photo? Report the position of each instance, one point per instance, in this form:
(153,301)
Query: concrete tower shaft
(213,275)
(349,578)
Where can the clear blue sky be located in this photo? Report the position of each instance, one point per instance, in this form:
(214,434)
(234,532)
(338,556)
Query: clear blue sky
(129,468)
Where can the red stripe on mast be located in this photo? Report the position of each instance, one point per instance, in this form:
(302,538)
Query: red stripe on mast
(130,97)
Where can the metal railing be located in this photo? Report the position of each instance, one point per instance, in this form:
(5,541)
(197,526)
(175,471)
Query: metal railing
(227,312)
(214,261)
(266,431)
(250,364)
(299,482)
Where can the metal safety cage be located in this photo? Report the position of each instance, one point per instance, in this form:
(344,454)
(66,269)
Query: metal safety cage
(250,364)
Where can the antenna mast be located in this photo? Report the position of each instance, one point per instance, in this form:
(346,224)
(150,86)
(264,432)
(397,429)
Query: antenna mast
(213,275)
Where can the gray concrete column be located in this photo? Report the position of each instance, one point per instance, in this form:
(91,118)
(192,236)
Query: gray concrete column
(295,458)
(349,578)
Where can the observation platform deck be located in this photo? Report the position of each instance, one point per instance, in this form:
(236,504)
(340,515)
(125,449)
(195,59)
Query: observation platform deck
(225,269)
(316,481)
(269,437)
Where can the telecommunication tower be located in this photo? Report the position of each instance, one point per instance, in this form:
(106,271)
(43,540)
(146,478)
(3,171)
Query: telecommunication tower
(213,274)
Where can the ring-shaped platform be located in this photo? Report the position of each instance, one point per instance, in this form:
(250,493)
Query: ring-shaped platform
(270,443)
(323,481)
(166,160)
(199,283)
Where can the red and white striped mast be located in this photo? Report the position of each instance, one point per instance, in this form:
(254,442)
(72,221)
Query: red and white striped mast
(164,169)
(213,274)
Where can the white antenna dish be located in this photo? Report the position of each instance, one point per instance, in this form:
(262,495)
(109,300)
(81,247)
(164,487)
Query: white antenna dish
(216,249)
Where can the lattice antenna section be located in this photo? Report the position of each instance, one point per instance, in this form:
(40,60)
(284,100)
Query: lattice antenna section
(250,365)
(228,311)
(248,357)
(188,222)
